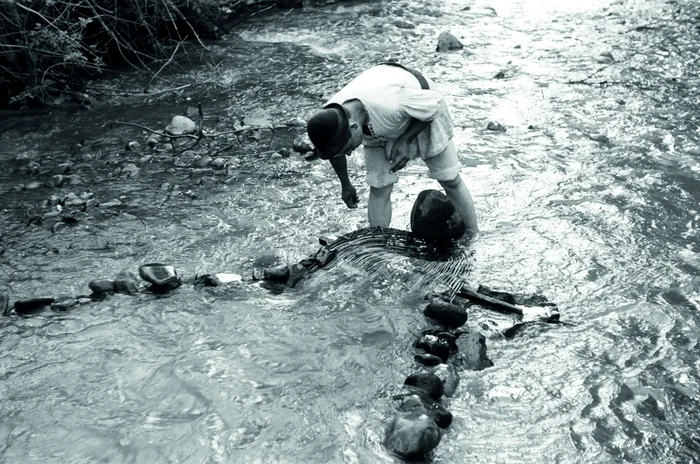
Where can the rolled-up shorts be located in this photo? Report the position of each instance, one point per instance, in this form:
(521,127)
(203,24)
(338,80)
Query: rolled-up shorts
(430,145)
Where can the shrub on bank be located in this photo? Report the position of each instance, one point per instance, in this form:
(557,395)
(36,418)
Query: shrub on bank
(48,47)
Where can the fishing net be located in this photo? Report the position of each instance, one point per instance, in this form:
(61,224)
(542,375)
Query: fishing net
(400,254)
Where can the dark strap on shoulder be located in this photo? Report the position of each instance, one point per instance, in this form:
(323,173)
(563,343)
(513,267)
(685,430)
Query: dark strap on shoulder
(423,83)
(421,80)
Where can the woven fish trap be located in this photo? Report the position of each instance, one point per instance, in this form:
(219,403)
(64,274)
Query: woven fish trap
(400,254)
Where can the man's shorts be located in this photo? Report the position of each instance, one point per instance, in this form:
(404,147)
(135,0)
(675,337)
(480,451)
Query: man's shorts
(431,145)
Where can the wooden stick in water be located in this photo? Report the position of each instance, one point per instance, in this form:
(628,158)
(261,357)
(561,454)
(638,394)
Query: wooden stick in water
(472,295)
(533,314)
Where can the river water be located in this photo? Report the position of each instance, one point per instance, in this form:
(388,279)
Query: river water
(590,198)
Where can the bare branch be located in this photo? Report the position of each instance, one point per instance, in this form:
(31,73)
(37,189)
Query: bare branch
(163,67)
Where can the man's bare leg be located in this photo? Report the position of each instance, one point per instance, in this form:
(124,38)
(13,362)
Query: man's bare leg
(458,194)
(379,207)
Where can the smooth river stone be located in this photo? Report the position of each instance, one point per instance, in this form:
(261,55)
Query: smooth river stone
(101,286)
(427,382)
(448,314)
(160,275)
(439,345)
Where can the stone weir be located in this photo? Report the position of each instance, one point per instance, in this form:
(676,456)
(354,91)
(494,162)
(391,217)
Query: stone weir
(446,346)
(429,261)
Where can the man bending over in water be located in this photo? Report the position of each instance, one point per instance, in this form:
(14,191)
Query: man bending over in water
(391,110)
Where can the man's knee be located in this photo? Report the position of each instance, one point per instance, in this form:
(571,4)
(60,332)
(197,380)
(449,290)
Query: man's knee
(452,183)
(381,192)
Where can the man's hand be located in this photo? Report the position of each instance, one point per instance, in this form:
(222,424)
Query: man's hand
(399,156)
(349,196)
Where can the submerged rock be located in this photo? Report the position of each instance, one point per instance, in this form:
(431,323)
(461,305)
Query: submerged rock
(207,280)
(59,180)
(422,404)
(277,273)
(296,273)
(154,140)
(64,303)
(101,286)
(495,127)
(161,276)
(427,359)
(471,352)
(302,144)
(126,282)
(449,377)
(412,436)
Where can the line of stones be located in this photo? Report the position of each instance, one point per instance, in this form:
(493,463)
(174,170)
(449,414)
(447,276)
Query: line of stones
(421,416)
(161,277)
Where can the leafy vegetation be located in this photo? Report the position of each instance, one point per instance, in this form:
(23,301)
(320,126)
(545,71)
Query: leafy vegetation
(49,47)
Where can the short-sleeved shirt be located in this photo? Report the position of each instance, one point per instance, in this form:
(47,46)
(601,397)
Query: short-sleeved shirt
(392,97)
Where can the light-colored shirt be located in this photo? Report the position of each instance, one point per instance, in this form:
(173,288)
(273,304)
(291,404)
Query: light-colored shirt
(392,97)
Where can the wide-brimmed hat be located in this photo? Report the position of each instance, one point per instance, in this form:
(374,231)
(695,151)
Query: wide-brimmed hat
(329,130)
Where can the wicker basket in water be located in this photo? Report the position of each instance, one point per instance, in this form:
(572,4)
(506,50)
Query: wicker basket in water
(425,263)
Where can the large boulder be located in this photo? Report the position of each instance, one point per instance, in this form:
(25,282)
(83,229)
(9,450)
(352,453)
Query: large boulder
(471,351)
(434,217)
(412,436)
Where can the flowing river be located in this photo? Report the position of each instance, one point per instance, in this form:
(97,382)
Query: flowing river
(590,197)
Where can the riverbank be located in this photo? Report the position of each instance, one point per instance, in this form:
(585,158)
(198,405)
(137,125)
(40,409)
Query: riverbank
(49,51)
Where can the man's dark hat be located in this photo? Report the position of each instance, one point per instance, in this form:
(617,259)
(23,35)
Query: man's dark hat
(329,130)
